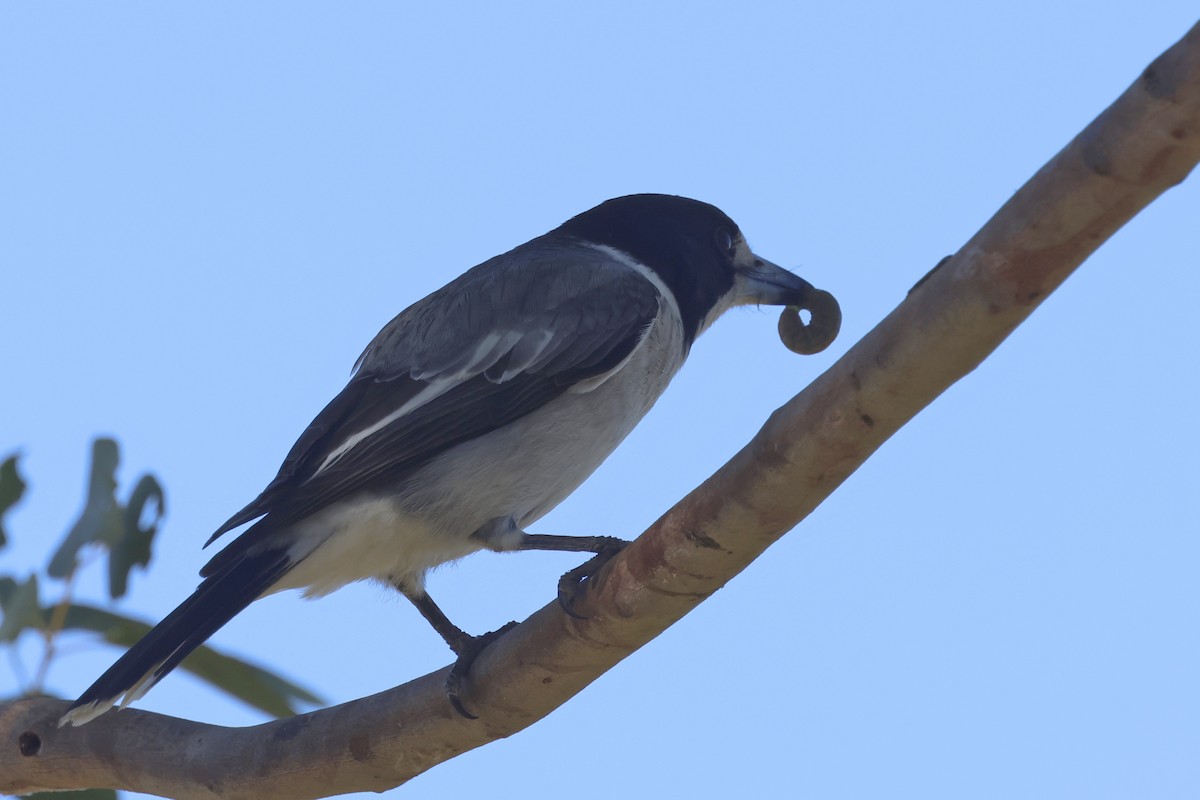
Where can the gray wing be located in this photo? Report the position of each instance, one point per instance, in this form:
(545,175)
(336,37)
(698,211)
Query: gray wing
(527,306)
(499,342)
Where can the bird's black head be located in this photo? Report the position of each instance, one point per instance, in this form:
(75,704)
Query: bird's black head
(695,249)
(687,243)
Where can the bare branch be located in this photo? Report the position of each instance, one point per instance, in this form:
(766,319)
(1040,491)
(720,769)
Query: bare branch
(1146,142)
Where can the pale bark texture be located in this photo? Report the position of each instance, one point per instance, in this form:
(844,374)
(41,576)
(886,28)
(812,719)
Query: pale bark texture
(1146,142)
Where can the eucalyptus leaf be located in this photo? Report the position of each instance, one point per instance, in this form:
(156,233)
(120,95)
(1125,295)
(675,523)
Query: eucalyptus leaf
(101,519)
(251,684)
(133,547)
(78,794)
(12,487)
(81,616)
(21,610)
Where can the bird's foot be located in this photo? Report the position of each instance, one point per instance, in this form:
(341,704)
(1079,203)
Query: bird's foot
(573,584)
(468,649)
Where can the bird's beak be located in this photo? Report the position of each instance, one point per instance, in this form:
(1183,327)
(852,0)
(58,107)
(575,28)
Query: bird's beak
(761,282)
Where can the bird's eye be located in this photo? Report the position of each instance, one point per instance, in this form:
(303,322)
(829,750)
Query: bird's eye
(725,241)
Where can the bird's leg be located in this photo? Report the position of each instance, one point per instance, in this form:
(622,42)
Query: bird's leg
(453,635)
(573,583)
(503,535)
(464,645)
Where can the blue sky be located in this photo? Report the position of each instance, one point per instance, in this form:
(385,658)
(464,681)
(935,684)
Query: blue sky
(207,210)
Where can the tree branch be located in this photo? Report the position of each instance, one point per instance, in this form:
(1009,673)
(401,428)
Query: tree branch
(1146,142)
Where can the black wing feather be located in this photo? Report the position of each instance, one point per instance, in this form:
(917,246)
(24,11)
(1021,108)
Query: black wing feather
(470,409)
(341,411)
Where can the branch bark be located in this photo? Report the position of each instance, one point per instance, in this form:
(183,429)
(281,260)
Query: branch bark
(1146,142)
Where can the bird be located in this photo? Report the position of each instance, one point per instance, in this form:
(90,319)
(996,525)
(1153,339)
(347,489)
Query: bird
(472,414)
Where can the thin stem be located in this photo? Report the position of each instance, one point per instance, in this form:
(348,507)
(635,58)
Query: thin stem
(50,633)
(18,666)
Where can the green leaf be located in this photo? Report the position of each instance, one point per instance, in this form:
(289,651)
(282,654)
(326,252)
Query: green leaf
(89,618)
(133,548)
(101,519)
(251,684)
(11,489)
(78,794)
(8,585)
(21,609)
(128,530)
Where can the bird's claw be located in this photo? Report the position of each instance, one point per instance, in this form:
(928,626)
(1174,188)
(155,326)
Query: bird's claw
(467,652)
(573,583)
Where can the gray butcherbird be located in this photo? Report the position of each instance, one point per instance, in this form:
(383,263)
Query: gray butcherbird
(475,412)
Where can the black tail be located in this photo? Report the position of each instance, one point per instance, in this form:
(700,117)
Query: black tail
(216,601)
